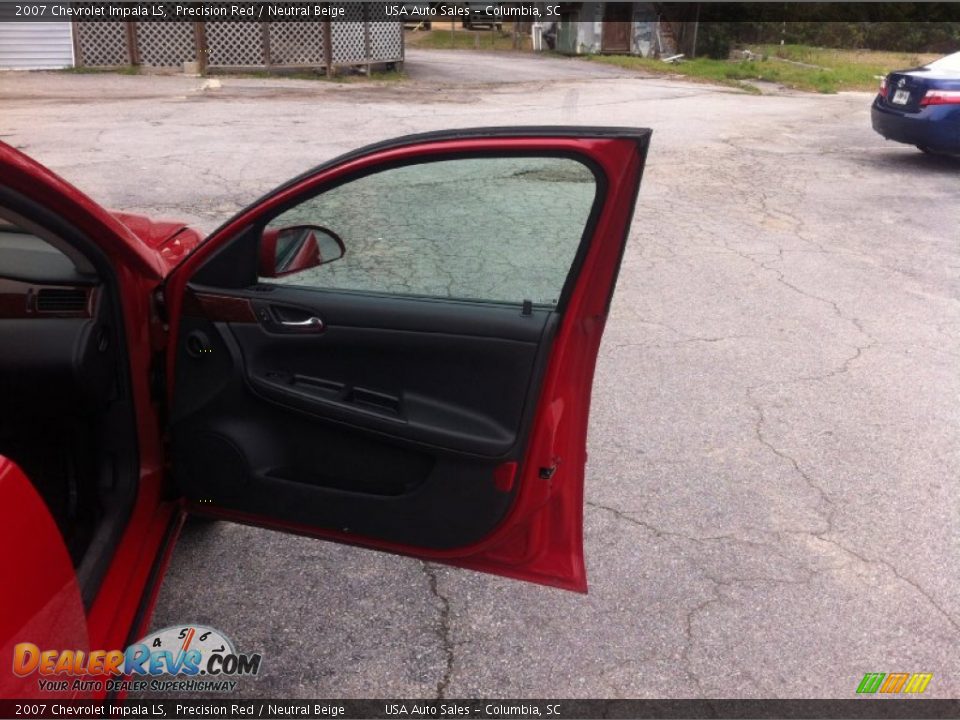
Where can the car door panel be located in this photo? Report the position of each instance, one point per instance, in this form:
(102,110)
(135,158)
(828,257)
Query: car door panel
(388,381)
(448,429)
(432,383)
(363,425)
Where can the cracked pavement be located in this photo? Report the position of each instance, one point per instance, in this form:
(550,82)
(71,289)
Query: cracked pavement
(772,490)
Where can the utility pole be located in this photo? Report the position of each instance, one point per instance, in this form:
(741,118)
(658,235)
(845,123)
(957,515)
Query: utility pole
(696,26)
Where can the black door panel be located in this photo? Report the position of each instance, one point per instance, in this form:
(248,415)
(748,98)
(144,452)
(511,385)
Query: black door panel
(321,475)
(429,315)
(393,406)
(442,390)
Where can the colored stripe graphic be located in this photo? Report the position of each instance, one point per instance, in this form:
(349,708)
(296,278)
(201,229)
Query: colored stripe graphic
(870,683)
(918,682)
(894,682)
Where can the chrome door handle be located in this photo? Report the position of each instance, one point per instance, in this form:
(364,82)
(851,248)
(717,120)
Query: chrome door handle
(311,323)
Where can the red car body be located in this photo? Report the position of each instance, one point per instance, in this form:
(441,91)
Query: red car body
(539,538)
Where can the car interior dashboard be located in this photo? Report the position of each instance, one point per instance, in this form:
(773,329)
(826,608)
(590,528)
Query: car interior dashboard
(61,386)
(61,362)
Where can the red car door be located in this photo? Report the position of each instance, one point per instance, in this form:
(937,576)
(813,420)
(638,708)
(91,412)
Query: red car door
(79,406)
(396,349)
(42,602)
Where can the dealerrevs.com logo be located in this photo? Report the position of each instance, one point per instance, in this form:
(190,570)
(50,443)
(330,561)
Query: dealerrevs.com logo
(204,657)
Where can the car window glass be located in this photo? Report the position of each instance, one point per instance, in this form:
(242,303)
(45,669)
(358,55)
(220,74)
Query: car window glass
(494,229)
(950,62)
(25,256)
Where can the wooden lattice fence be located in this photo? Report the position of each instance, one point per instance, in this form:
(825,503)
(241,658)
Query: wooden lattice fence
(240,45)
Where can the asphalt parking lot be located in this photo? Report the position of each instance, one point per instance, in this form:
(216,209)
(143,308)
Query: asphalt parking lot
(772,498)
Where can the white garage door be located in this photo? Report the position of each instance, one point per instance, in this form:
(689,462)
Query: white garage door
(35,45)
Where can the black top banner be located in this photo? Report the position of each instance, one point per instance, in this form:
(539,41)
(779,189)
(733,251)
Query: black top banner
(455,10)
(483,709)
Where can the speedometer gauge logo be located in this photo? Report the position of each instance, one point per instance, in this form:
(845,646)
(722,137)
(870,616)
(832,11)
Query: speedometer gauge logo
(184,639)
(190,650)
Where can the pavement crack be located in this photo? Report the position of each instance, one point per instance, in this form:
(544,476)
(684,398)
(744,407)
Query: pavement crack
(827,506)
(690,640)
(689,615)
(727,537)
(442,631)
(903,578)
(896,573)
(685,341)
(761,437)
(683,337)
(844,366)
(627,518)
(781,278)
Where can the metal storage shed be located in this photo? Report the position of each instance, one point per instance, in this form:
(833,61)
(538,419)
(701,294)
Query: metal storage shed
(36,45)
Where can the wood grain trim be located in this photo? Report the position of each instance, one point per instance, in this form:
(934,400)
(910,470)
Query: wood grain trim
(219,308)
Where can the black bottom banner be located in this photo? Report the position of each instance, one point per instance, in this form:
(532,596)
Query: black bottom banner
(483,709)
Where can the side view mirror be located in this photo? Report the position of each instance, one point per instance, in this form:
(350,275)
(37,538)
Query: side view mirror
(288,250)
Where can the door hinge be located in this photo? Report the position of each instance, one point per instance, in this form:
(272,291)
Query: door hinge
(158,381)
(159,323)
(160,305)
(157,372)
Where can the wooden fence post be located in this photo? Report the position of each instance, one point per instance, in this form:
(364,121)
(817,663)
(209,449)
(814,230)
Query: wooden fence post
(367,51)
(265,44)
(133,50)
(77,49)
(200,35)
(328,47)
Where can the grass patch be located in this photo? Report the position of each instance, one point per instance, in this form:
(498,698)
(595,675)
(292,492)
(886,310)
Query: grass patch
(846,69)
(821,70)
(344,74)
(124,70)
(877,61)
(715,71)
(388,76)
(462,39)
